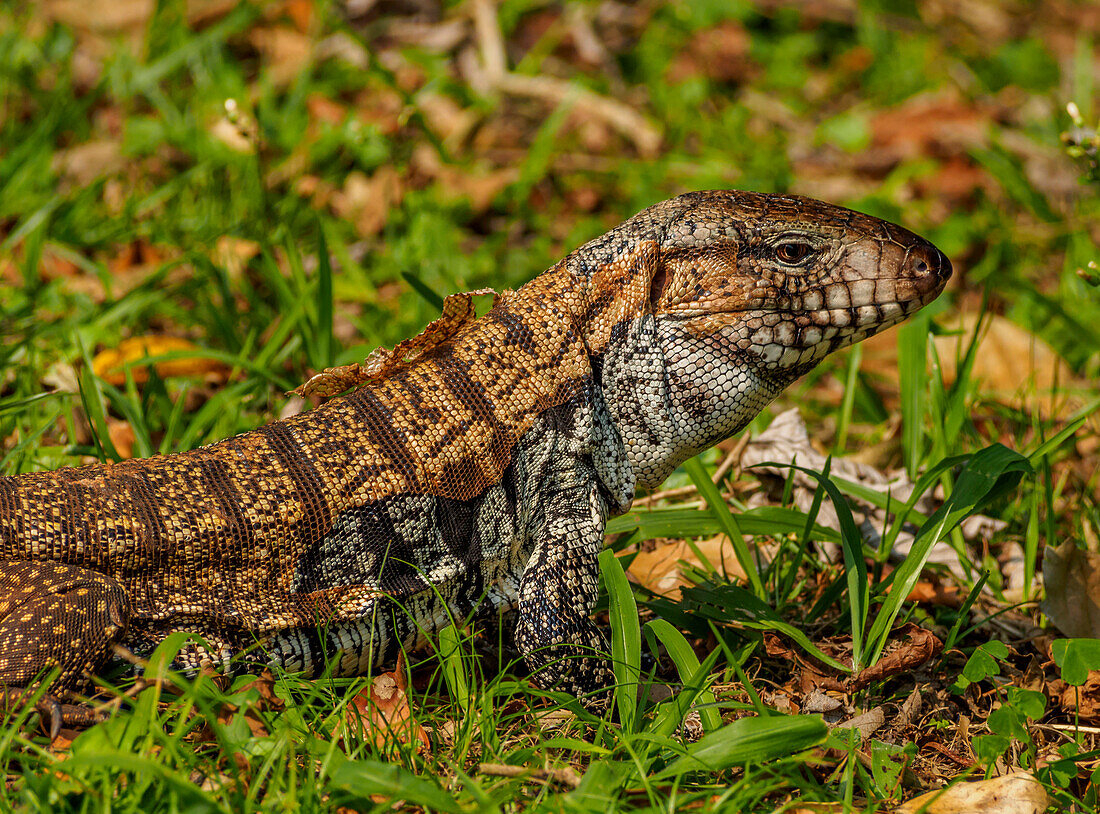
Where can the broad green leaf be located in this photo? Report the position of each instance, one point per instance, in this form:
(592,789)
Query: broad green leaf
(360,779)
(1075,657)
(982,663)
(749,741)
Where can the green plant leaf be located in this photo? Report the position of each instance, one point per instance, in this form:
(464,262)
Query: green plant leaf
(1075,657)
(360,779)
(982,663)
(687,665)
(726,520)
(749,741)
(626,638)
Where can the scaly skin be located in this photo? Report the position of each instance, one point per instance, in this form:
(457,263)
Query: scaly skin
(471,470)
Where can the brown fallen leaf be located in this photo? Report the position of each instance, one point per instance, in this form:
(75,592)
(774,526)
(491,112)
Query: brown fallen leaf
(233,254)
(910,646)
(366,202)
(660,570)
(720,52)
(381,712)
(1071,579)
(925,126)
(1018,793)
(935,593)
(264,684)
(1082,701)
(110,364)
(478,186)
(1014,366)
(83,163)
(122,436)
(286,51)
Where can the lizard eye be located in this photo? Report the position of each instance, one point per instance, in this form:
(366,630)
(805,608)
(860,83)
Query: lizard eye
(793,252)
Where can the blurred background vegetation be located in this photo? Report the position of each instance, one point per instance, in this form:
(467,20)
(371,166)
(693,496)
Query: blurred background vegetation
(170,169)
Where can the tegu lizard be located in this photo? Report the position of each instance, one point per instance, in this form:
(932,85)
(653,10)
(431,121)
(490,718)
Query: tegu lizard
(470,471)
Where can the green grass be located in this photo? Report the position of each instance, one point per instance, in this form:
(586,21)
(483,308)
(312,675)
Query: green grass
(121,175)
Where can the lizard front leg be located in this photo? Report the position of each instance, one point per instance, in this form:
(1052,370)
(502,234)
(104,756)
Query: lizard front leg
(562,646)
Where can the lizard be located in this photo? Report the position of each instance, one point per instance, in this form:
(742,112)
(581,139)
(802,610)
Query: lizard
(469,471)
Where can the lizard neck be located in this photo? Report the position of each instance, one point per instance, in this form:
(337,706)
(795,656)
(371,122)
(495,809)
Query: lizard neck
(673,394)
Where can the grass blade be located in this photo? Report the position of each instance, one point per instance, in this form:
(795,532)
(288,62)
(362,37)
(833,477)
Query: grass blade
(626,638)
(687,665)
(749,740)
(989,474)
(852,545)
(913,381)
(721,512)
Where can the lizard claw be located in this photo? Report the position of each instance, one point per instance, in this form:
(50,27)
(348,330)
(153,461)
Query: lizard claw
(52,714)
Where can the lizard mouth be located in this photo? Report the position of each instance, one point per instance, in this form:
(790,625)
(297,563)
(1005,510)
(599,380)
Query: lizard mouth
(879,299)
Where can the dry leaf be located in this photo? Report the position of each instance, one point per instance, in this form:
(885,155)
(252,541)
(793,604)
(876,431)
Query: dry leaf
(323,109)
(232,136)
(659,569)
(451,122)
(1083,701)
(479,187)
(1018,793)
(300,13)
(1071,578)
(909,647)
(122,437)
(233,253)
(109,364)
(264,684)
(381,712)
(719,52)
(367,201)
(287,51)
(83,163)
(935,593)
(924,126)
(118,15)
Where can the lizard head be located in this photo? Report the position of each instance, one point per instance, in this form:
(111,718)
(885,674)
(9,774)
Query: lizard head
(747,292)
(786,280)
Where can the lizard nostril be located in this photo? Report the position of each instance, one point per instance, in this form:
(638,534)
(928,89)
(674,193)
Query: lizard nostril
(922,267)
